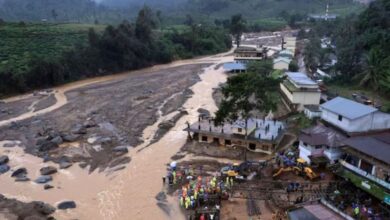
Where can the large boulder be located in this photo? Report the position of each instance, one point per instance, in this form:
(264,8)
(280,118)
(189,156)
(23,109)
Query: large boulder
(4,159)
(47,186)
(44,179)
(79,129)
(66,205)
(57,140)
(44,146)
(121,149)
(89,123)
(70,137)
(65,164)
(48,170)
(4,168)
(43,208)
(19,172)
(166,125)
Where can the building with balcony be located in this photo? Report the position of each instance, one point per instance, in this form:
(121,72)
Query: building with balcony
(299,90)
(353,117)
(366,163)
(257,135)
(247,54)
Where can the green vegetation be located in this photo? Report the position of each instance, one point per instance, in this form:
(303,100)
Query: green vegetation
(172,11)
(248,92)
(267,24)
(361,48)
(96,52)
(19,43)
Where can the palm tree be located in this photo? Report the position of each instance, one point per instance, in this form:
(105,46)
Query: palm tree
(373,71)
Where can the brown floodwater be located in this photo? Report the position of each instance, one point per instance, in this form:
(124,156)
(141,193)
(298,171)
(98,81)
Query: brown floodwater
(125,194)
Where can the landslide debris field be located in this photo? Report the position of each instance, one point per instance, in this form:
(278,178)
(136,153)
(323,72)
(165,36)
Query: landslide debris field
(100,121)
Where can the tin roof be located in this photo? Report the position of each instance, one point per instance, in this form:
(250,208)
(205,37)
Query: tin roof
(348,108)
(377,146)
(301,79)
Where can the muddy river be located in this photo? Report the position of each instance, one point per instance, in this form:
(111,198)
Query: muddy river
(126,194)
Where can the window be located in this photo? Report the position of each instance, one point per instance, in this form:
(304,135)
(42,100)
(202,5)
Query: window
(318,147)
(366,166)
(204,138)
(340,118)
(240,130)
(252,146)
(228,142)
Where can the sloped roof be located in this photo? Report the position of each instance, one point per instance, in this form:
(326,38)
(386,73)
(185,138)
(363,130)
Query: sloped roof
(300,78)
(282,59)
(322,135)
(377,146)
(234,66)
(348,108)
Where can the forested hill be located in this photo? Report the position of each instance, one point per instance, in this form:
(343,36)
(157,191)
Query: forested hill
(52,10)
(114,11)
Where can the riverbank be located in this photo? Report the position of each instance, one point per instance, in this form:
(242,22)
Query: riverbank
(128,109)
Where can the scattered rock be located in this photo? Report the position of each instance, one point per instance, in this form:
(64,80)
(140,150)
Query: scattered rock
(121,149)
(97,148)
(142,97)
(70,137)
(43,208)
(83,165)
(203,112)
(57,140)
(47,186)
(4,159)
(79,129)
(161,196)
(65,165)
(4,168)
(48,170)
(118,168)
(44,179)
(89,124)
(66,205)
(19,172)
(183,111)
(45,145)
(166,125)
(22,179)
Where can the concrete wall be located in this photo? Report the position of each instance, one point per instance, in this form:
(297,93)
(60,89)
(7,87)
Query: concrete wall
(374,121)
(307,98)
(333,154)
(260,147)
(286,92)
(305,151)
(281,65)
(301,98)
(311,114)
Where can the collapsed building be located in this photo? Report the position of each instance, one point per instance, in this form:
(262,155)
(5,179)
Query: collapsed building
(256,135)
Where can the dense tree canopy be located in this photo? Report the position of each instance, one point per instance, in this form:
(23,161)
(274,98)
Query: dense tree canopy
(248,92)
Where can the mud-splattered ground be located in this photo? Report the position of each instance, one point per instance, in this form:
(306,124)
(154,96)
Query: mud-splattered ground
(101,116)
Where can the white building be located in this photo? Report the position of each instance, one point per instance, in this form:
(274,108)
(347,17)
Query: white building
(320,142)
(281,63)
(299,90)
(353,117)
(312,111)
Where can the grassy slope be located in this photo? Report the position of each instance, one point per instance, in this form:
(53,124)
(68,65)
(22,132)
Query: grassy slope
(19,43)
